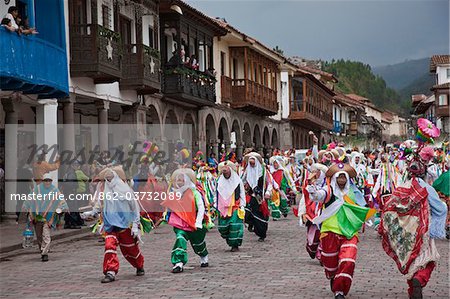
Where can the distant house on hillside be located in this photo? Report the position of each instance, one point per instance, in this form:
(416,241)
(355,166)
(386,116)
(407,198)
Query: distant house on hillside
(440,66)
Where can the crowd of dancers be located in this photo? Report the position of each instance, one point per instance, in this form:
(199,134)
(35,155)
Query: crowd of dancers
(336,192)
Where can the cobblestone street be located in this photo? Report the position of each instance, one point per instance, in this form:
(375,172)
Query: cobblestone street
(277,268)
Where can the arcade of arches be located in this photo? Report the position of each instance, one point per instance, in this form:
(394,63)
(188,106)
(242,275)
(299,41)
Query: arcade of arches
(219,128)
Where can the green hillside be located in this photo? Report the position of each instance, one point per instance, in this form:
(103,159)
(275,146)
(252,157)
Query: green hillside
(399,76)
(357,77)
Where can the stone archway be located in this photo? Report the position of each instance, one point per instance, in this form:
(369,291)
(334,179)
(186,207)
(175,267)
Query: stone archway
(257,137)
(153,122)
(189,133)
(210,133)
(266,141)
(247,135)
(236,131)
(223,136)
(274,142)
(171,130)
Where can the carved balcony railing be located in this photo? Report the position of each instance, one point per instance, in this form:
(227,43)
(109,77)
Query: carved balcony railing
(188,86)
(249,96)
(95,52)
(141,69)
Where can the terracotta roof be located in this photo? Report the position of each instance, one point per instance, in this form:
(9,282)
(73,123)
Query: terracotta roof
(441,86)
(358,98)
(343,99)
(312,70)
(417,98)
(437,60)
(250,39)
(206,20)
(387,116)
(424,105)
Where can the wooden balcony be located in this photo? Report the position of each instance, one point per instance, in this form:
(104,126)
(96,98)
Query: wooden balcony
(442,111)
(249,96)
(312,117)
(188,87)
(141,69)
(95,52)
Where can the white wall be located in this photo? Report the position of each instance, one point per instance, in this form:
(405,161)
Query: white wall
(441,72)
(4,8)
(220,46)
(285,94)
(372,112)
(111,92)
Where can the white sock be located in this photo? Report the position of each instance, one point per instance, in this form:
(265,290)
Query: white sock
(339,293)
(112,273)
(178,265)
(204,259)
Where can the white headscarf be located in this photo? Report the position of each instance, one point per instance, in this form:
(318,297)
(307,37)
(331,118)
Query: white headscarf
(253,173)
(226,187)
(336,190)
(120,205)
(188,184)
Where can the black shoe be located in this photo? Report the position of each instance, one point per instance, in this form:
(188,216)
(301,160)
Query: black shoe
(204,265)
(285,215)
(44,258)
(178,269)
(339,296)
(261,240)
(108,278)
(416,289)
(250,228)
(140,272)
(234,249)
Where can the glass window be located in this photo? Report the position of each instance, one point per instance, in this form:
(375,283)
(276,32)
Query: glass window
(448,73)
(151,37)
(443,100)
(106,16)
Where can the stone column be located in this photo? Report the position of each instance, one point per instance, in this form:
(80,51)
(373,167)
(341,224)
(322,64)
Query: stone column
(10,106)
(215,146)
(47,131)
(102,108)
(69,127)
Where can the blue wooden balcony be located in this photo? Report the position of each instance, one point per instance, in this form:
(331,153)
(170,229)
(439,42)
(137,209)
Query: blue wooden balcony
(32,65)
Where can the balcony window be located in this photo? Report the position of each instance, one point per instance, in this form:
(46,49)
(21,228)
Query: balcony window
(448,73)
(106,16)
(443,100)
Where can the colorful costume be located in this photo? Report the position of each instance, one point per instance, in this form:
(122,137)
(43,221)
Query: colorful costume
(282,185)
(186,215)
(45,213)
(230,204)
(340,221)
(119,222)
(308,209)
(258,187)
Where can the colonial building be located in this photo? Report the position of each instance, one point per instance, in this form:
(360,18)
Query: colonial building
(395,127)
(440,68)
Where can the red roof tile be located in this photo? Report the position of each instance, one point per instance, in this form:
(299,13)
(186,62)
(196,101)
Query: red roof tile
(437,60)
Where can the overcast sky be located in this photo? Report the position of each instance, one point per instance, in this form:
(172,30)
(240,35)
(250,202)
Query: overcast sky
(378,32)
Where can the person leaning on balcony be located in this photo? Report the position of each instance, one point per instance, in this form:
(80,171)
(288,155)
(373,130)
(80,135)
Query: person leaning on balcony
(13,13)
(24,26)
(8,24)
